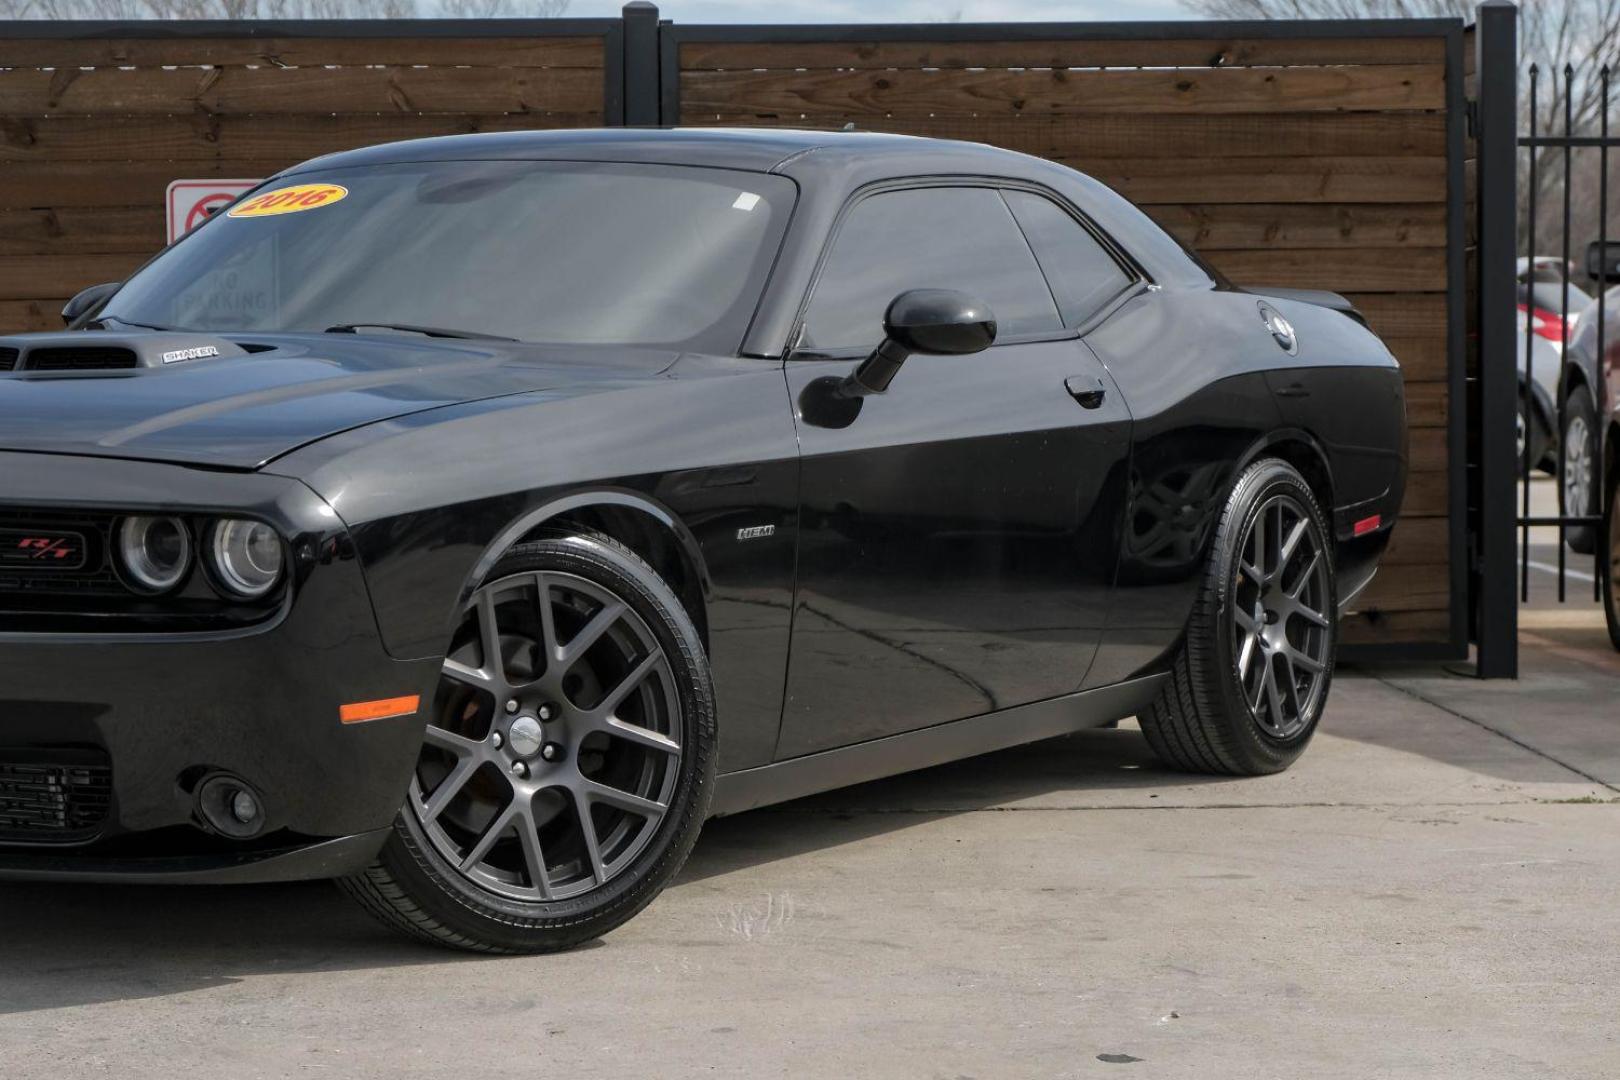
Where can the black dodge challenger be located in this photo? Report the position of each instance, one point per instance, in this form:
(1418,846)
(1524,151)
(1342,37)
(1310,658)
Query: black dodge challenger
(469,519)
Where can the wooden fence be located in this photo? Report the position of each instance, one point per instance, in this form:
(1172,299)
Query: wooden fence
(1307,155)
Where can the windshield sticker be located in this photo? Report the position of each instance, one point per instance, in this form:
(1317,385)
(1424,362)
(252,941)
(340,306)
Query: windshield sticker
(290,200)
(746,201)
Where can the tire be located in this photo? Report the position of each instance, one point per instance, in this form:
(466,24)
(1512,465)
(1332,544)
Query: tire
(1219,712)
(1577,467)
(537,828)
(1611,565)
(1530,426)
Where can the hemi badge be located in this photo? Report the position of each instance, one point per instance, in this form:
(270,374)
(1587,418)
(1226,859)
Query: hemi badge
(362,711)
(201,352)
(1367,525)
(756,532)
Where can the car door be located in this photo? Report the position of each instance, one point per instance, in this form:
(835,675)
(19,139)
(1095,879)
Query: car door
(958,533)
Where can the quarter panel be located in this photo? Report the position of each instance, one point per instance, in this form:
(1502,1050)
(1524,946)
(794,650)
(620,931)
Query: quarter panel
(1191,365)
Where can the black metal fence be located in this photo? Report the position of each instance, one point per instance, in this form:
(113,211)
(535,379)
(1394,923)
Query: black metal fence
(1574,444)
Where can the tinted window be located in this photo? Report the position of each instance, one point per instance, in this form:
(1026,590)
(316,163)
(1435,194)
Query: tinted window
(930,238)
(1083,275)
(562,252)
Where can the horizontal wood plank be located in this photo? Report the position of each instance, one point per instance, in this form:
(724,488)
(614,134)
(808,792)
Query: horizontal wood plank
(1427,495)
(26,92)
(74,230)
(36,185)
(1408,587)
(1134,134)
(202,136)
(1214,227)
(1423,357)
(1337,270)
(1392,315)
(28,316)
(523,52)
(1427,404)
(1270,180)
(24,277)
(1421,541)
(1212,52)
(1215,90)
(1378,626)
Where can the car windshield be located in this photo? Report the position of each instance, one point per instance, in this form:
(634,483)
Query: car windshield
(555,252)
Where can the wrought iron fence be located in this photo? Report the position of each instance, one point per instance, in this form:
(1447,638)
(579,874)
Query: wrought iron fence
(1562,420)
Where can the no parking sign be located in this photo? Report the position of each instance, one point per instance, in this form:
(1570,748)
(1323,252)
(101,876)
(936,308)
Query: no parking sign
(192,202)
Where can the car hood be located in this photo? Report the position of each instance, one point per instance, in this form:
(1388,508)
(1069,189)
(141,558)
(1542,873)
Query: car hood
(245,402)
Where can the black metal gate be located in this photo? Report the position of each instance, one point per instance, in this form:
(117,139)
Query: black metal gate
(1544,377)
(1574,417)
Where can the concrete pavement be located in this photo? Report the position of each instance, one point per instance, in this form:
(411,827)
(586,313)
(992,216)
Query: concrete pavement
(1429,893)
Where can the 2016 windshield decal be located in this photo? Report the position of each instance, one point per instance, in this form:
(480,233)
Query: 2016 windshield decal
(290,200)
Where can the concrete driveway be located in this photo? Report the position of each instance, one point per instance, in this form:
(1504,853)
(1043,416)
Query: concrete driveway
(1430,893)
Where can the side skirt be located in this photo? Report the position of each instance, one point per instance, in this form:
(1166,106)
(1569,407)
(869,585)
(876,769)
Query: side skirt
(830,769)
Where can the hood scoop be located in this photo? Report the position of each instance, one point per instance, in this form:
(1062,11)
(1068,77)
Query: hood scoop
(100,350)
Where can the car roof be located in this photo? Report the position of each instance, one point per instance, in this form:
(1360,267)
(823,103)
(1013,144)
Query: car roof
(753,149)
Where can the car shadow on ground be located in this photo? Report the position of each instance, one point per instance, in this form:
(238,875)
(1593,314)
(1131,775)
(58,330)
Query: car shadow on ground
(83,944)
(73,945)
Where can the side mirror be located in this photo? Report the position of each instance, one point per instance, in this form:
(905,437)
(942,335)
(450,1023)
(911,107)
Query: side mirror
(1603,261)
(88,301)
(940,322)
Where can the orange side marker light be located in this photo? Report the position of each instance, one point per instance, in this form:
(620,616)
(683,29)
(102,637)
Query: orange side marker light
(361,712)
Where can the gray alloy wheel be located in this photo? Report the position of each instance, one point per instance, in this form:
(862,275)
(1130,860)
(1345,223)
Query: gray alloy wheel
(1279,621)
(567,762)
(1577,467)
(557,756)
(1251,678)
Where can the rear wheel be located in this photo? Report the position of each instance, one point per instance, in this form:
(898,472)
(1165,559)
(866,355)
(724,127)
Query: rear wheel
(1578,467)
(567,766)
(1251,679)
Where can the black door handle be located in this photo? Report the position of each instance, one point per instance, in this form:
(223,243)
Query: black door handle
(1087,390)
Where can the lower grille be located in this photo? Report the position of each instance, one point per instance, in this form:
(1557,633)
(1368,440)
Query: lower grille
(53,796)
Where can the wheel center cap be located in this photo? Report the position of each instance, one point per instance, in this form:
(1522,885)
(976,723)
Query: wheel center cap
(525,737)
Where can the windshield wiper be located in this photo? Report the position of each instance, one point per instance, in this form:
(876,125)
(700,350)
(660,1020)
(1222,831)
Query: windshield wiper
(425,331)
(101,321)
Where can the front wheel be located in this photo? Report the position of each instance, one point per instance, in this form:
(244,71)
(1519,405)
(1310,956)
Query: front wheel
(567,765)
(1251,679)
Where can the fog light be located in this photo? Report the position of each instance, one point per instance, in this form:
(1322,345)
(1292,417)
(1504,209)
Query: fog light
(154,552)
(230,807)
(245,808)
(246,557)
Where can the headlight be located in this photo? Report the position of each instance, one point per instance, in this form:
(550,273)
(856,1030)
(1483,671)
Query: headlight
(155,552)
(246,557)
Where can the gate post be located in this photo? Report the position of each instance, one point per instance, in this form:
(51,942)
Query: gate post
(1497,71)
(641,80)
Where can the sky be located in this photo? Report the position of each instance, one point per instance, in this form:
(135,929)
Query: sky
(846,11)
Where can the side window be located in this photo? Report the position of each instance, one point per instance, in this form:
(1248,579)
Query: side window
(1083,275)
(926,238)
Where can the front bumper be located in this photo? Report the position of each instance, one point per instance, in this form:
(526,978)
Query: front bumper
(165,710)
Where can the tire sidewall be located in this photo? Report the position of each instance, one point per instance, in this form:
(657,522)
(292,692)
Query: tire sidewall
(440,889)
(1260,750)
(1582,538)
